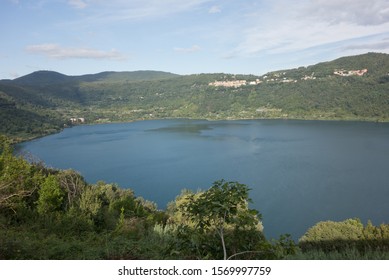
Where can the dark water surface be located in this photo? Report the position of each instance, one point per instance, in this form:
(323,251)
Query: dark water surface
(300,172)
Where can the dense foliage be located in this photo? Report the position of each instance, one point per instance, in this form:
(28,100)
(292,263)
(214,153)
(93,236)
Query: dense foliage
(348,239)
(54,214)
(44,101)
(218,224)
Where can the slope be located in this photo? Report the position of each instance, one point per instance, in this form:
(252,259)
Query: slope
(348,88)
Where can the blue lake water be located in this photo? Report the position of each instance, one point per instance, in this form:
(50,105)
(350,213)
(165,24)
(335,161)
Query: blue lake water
(300,172)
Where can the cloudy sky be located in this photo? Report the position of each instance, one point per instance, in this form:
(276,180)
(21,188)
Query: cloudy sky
(185,36)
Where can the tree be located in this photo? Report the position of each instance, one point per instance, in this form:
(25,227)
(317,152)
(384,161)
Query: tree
(51,196)
(91,204)
(329,235)
(223,207)
(370,232)
(73,185)
(19,179)
(350,229)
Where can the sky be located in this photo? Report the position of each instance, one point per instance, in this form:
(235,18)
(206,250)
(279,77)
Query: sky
(76,37)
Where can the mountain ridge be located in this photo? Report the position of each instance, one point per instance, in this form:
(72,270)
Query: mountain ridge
(54,77)
(348,88)
(47,77)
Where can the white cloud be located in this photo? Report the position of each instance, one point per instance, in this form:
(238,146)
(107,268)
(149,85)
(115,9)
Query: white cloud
(124,10)
(215,10)
(360,12)
(194,48)
(380,45)
(58,52)
(78,4)
(287,27)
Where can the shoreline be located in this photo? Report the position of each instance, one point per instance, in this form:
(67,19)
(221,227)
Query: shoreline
(18,140)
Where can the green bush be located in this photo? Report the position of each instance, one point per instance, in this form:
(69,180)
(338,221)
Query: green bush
(336,239)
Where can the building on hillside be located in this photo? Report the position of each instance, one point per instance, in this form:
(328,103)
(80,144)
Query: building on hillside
(77,120)
(346,73)
(235,83)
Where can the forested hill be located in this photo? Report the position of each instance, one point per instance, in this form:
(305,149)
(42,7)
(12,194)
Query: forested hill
(40,78)
(349,88)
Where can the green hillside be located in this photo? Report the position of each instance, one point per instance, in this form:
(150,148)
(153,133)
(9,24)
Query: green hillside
(110,76)
(40,78)
(349,88)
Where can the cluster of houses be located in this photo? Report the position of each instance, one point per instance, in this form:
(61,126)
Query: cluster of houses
(277,77)
(77,120)
(309,77)
(239,83)
(234,83)
(345,73)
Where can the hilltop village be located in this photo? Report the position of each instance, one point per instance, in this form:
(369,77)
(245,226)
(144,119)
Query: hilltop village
(281,78)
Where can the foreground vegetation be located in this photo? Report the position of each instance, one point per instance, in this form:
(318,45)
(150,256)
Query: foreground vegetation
(47,213)
(54,214)
(44,102)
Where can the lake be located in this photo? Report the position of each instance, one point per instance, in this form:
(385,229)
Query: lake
(299,172)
